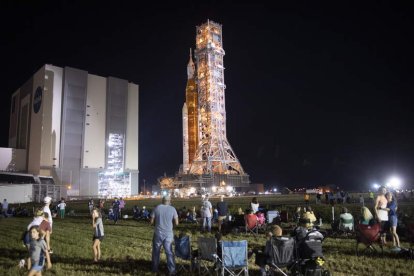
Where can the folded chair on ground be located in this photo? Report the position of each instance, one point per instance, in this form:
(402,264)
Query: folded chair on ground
(234,259)
(207,252)
(183,251)
(369,235)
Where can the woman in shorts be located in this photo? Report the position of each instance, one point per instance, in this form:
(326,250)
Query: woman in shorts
(98,234)
(38,252)
(393,220)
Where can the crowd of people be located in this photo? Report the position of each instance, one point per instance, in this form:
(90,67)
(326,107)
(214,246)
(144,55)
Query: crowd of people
(164,217)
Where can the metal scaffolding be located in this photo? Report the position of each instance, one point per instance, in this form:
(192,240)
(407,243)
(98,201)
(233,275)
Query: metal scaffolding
(214,154)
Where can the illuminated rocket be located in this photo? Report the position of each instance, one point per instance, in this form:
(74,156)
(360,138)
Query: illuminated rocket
(190,117)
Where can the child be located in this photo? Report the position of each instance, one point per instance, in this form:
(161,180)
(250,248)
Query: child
(62,206)
(98,234)
(38,251)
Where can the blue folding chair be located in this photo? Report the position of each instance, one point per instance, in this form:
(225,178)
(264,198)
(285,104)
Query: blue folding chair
(234,258)
(183,251)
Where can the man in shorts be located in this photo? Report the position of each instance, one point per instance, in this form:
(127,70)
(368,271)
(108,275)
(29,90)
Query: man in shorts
(222,209)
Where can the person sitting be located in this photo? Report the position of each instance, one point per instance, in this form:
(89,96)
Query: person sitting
(250,220)
(145,213)
(309,218)
(192,215)
(346,221)
(366,217)
(263,254)
(297,215)
(136,211)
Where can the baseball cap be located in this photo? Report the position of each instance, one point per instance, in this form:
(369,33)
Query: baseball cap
(47,199)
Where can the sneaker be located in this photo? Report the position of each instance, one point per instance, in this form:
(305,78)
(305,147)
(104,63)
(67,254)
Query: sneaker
(396,249)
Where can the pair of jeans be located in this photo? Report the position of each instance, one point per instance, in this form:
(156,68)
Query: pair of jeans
(166,241)
(207,223)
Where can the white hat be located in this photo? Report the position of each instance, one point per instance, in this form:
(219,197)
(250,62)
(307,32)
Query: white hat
(47,199)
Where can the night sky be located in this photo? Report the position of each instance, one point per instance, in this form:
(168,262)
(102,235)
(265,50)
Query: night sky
(316,94)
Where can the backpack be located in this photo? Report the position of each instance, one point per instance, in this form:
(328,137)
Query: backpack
(25,237)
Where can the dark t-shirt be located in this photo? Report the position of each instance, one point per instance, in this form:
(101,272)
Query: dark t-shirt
(222,208)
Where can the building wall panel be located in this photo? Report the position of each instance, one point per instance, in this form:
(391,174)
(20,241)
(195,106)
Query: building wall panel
(95,123)
(73,112)
(54,79)
(131,149)
(36,121)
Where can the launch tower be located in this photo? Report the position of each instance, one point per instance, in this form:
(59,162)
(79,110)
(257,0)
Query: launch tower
(214,154)
(209,162)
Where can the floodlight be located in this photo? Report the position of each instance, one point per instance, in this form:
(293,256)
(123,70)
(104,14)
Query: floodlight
(394,182)
(214,189)
(229,188)
(375,186)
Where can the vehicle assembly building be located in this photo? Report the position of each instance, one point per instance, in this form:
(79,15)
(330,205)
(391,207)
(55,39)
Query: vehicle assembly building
(79,128)
(209,162)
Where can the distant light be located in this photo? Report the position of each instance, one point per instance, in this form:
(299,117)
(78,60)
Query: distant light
(375,186)
(214,189)
(274,190)
(394,182)
(229,188)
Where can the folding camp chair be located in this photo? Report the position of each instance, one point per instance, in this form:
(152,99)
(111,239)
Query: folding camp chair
(282,253)
(234,258)
(271,216)
(207,250)
(183,251)
(368,235)
(251,225)
(310,259)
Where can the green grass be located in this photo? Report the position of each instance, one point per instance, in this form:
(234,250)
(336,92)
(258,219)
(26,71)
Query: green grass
(126,249)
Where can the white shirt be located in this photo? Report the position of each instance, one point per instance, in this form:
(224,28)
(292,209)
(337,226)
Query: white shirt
(35,221)
(206,209)
(255,207)
(62,205)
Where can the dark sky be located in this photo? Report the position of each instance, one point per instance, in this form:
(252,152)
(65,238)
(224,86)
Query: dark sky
(315,94)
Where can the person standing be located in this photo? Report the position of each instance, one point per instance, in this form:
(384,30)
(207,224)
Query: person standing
(90,206)
(222,209)
(381,212)
(254,205)
(306,197)
(371,196)
(162,217)
(4,207)
(393,220)
(62,206)
(38,252)
(46,209)
(206,214)
(361,200)
(115,209)
(98,234)
(121,206)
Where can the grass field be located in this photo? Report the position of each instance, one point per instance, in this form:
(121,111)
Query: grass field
(126,249)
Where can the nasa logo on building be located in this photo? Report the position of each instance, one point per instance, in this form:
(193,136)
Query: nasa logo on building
(37,101)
